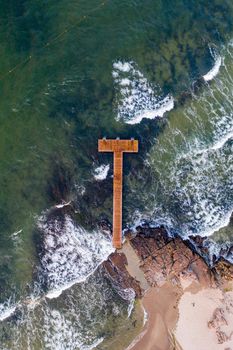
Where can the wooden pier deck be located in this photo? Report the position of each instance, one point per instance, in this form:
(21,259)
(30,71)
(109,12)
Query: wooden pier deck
(118,147)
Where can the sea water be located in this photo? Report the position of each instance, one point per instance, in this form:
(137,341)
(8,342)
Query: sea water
(71,73)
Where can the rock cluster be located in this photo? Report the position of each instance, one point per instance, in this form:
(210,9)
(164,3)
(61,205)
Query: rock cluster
(218,319)
(115,270)
(223,270)
(220,323)
(164,258)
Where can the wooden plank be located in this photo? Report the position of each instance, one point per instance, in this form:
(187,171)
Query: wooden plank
(117,199)
(108,145)
(117,147)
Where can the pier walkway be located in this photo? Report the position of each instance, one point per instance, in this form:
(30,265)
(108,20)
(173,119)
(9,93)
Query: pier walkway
(118,147)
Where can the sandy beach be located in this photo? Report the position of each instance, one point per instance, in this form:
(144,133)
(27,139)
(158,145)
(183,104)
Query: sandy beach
(192,320)
(160,314)
(206,320)
(189,314)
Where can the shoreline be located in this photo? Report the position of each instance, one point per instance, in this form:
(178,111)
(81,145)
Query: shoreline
(154,334)
(162,318)
(184,304)
(202,319)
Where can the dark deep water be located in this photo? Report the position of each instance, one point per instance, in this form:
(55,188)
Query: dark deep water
(70,73)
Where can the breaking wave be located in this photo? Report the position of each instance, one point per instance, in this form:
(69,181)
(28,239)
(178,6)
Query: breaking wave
(192,161)
(70,253)
(136,97)
(7,309)
(74,321)
(215,69)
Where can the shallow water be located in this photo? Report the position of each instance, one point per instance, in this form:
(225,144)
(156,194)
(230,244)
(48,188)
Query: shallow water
(59,94)
(191,190)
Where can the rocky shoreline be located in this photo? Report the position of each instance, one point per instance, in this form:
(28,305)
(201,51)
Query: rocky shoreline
(165,258)
(181,269)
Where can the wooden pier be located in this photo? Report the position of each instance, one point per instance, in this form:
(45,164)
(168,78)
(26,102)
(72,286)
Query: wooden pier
(118,147)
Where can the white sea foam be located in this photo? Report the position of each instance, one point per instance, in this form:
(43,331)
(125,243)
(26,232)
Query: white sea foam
(94,345)
(16,233)
(101,172)
(71,253)
(16,237)
(55,293)
(221,142)
(216,145)
(7,309)
(216,250)
(140,219)
(80,189)
(62,205)
(7,313)
(214,70)
(223,221)
(205,204)
(192,190)
(73,322)
(145,316)
(127,294)
(131,307)
(166,105)
(137,98)
(122,66)
(64,334)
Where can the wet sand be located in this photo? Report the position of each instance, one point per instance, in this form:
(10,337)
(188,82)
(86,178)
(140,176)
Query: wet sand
(160,307)
(162,315)
(133,266)
(197,318)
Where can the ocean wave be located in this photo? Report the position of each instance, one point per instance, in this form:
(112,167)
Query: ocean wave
(216,251)
(214,70)
(136,97)
(223,221)
(191,186)
(221,142)
(7,309)
(74,321)
(145,316)
(70,253)
(65,335)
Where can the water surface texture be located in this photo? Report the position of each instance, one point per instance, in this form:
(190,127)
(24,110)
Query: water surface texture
(70,73)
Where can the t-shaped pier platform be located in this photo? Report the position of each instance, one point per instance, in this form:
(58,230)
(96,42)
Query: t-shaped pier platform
(117,147)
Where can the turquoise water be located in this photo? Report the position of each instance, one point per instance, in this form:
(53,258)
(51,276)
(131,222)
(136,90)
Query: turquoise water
(71,73)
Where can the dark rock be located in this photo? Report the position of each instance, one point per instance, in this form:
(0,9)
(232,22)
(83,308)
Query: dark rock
(59,185)
(218,319)
(166,258)
(222,337)
(223,270)
(116,272)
